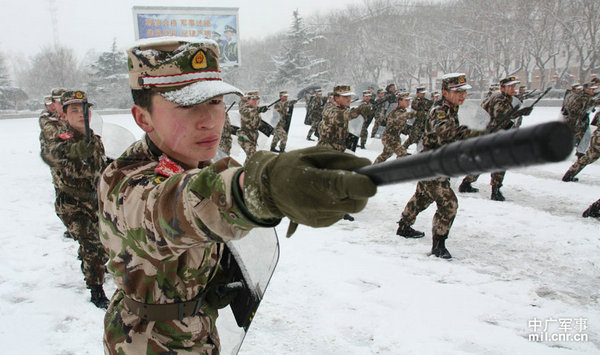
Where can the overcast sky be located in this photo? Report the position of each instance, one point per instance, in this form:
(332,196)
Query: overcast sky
(26,26)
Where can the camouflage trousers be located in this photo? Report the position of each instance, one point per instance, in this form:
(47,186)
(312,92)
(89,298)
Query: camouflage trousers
(414,137)
(590,156)
(247,144)
(314,126)
(496,179)
(126,333)
(376,125)
(429,191)
(390,147)
(80,216)
(364,131)
(279,136)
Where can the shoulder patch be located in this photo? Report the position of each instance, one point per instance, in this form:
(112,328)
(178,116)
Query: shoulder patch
(65,136)
(166,167)
(441,114)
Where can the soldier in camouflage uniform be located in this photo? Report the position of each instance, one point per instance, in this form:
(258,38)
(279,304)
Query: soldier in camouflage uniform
(316,113)
(50,120)
(435,96)
(333,129)
(379,111)
(421,107)
(166,211)
(78,164)
(250,121)
(396,121)
(577,109)
(590,156)
(369,110)
(281,134)
(498,106)
(441,128)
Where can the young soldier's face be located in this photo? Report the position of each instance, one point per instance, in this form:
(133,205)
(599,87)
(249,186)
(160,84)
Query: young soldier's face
(509,89)
(189,134)
(57,107)
(283,98)
(343,101)
(74,116)
(404,103)
(455,97)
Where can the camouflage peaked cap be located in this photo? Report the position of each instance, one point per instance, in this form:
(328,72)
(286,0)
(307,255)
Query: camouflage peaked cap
(252,95)
(421,89)
(509,80)
(319,91)
(330,94)
(57,93)
(342,90)
(403,96)
(366,93)
(73,97)
(379,91)
(48,100)
(283,93)
(184,70)
(590,85)
(455,82)
(435,93)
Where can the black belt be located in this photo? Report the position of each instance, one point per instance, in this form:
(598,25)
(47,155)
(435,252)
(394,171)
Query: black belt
(166,311)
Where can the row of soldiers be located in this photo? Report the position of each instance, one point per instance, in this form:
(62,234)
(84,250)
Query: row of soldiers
(76,161)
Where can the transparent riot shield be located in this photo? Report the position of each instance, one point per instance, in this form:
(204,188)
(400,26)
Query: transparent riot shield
(255,257)
(116,139)
(472,115)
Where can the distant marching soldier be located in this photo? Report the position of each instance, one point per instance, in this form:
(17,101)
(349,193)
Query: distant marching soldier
(379,111)
(369,110)
(333,130)
(50,120)
(396,121)
(421,106)
(577,109)
(315,109)
(79,161)
(435,96)
(442,128)
(590,156)
(250,121)
(498,106)
(281,135)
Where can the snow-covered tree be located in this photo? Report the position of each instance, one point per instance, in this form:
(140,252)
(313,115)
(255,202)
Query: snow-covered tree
(108,84)
(10,96)
(296,65)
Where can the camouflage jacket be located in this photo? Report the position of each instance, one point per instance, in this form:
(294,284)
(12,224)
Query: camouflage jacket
(498,106)
(50,125)
(421,105)
(250,120)
(75,176)
(579,105)
(333,129)
(316,107)
(396,121)
(164,225)
(282,109)
(443,127)
(366,110)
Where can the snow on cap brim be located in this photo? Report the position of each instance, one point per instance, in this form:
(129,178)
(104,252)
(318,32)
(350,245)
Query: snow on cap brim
(200,92)
(347,93)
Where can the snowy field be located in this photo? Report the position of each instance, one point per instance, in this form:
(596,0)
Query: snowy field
(529,265)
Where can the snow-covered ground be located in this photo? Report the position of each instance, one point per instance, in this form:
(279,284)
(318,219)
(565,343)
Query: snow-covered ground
(529,265)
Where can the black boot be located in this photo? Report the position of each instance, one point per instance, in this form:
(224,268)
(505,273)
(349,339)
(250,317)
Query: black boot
(362,146)
(569,177)
(496,194)
(98,297)
(408,232)
(274,150)
(348,217)
(309,139)
(592,211)
(465,186)
(439,247)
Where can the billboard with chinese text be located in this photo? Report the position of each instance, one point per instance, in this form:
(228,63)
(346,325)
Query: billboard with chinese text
(217,23)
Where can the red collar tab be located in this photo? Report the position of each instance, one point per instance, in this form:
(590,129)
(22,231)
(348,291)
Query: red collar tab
(167,167)
(65,136)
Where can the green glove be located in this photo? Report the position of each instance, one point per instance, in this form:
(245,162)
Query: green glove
(81,150)
(313,186)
